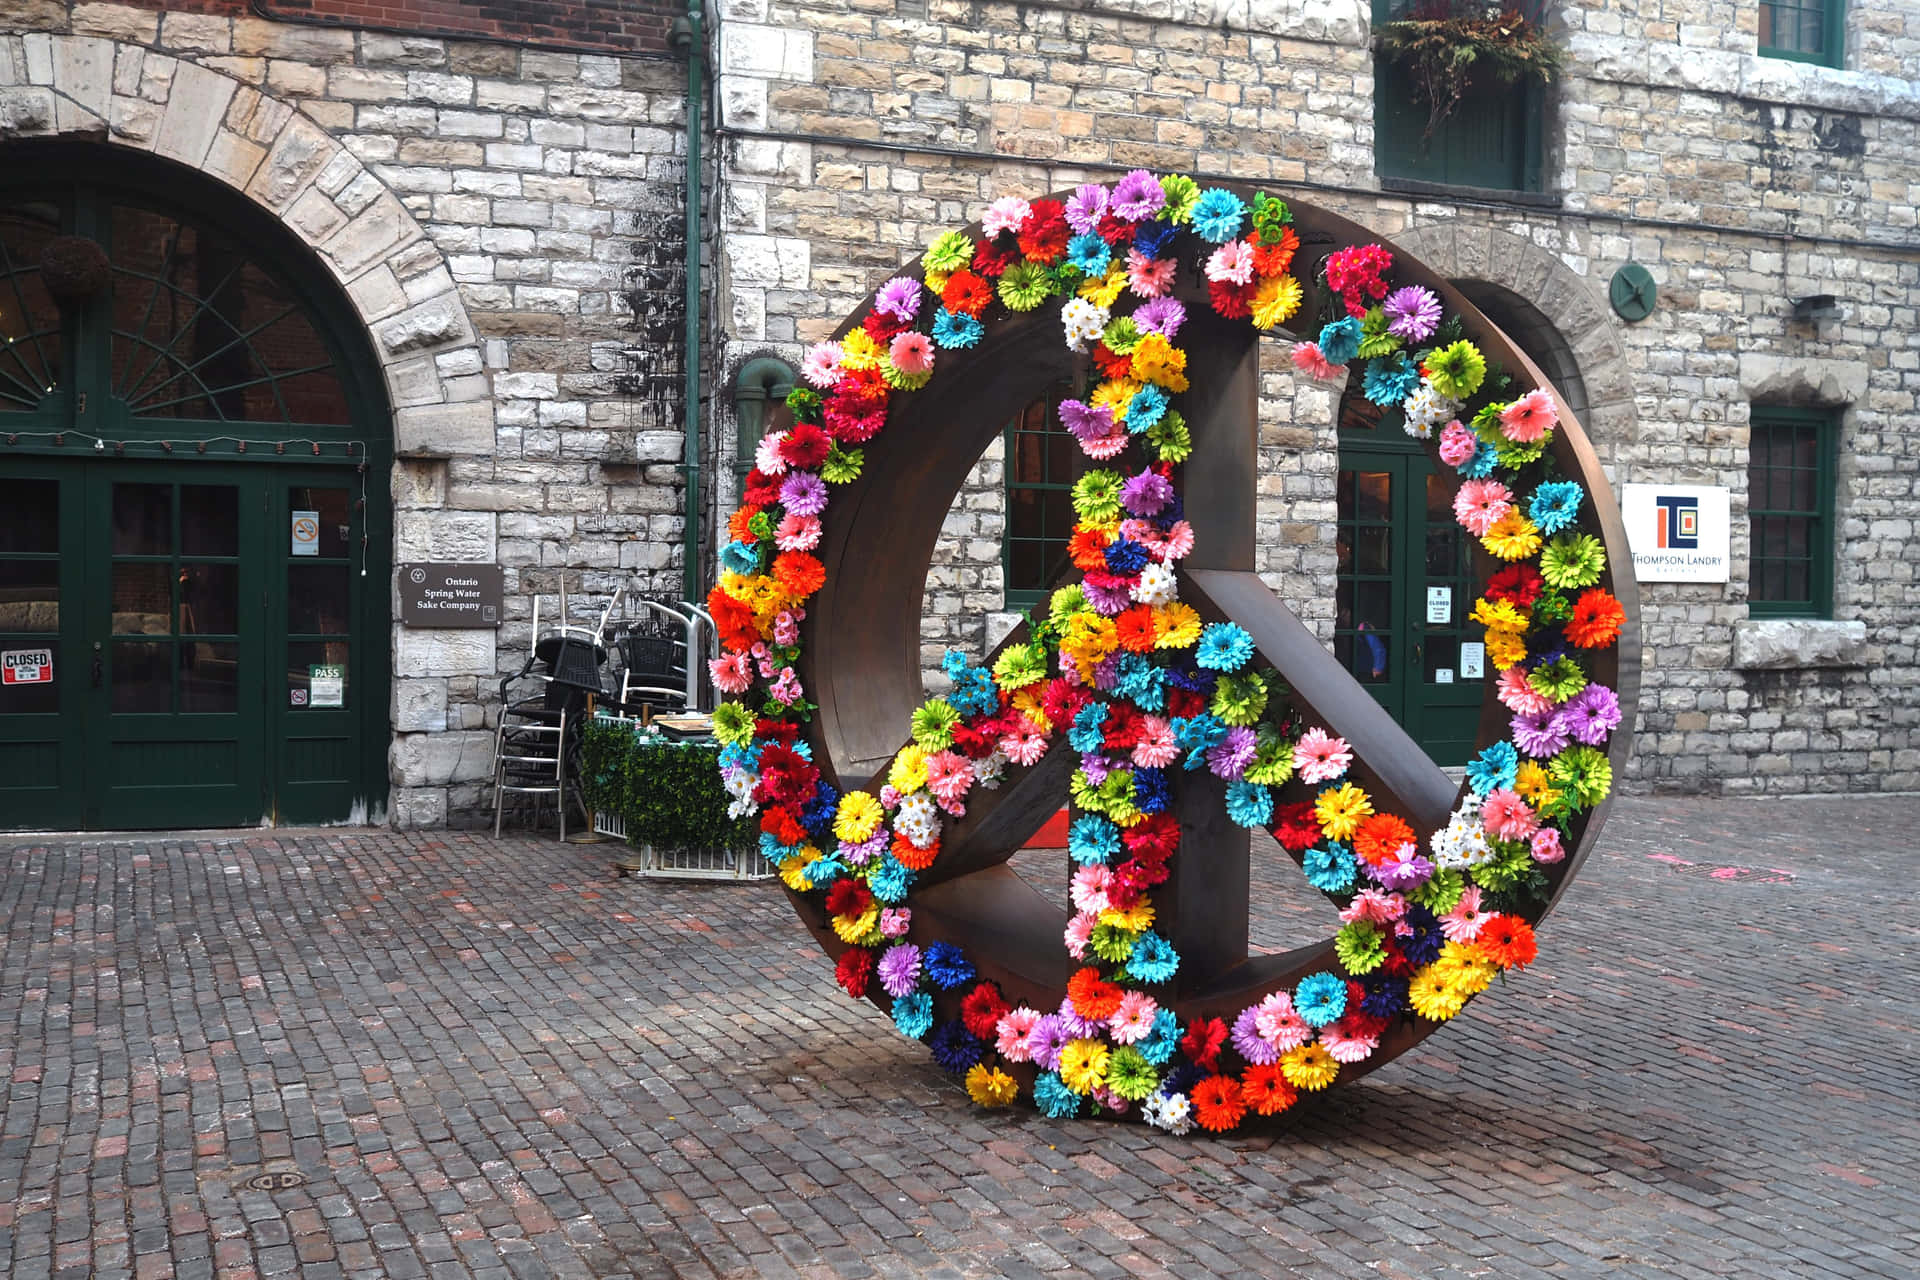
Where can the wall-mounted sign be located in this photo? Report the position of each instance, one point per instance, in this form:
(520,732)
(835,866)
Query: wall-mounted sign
(1440,604)
(306,533)
(1678,532)
(26,666)
(450,595)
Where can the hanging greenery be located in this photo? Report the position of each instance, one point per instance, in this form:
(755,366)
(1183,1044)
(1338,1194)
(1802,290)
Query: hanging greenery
(1447,47)
(669,793)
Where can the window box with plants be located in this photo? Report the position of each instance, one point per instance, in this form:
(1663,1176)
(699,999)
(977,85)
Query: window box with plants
(665,798)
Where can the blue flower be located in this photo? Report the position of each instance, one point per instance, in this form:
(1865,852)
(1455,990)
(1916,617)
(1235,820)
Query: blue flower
(974,695)
(1320,998)
(1055,1100)
(1386,995)
(1481,464)
(889,879)
(947,965)
(954,1047)
(1249,804)
(742,558)
(1151,791)
(1092,839)
(1153,959)
(1139,681)
(1388,382)
(1159,1043)
(1555,506)
(772,850)
(1089,253)
(1340,341)
(1217,215)
(956,330)
(1126,556)
(1493,768)
(1088,732)
(1224,646)
(1195,734)
(1422,942)
(1192,681)
(817,817)
(913,1014)
(1153,238)
(1330,870)
(1148,406)
(741,757)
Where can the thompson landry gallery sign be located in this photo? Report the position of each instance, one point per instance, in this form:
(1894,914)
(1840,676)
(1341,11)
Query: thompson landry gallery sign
(1678,532)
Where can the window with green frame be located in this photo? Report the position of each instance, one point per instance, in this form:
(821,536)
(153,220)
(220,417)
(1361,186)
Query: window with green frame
(1494,138)
(1040,471)
(1790,491)
(1804,30)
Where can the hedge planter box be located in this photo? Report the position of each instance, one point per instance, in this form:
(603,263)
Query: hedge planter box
(664,798)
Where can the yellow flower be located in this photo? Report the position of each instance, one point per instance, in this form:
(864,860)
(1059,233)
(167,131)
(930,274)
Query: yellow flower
(1533,786)
(853,928)
(1089,640)
(790,868)
(1513,536)
(1465,968)
(1505,649)
(858,350)
(1158,361)
(1136,920)
(1277,298)
(1083,1065)
(990,1087)
(1433,997)
(1498,617)
(1309,1067)
(1104,291)
(1027,703)
(857,818)
(1341,809)
(1178,626)
(1116,393)
(909,772)
(937,280)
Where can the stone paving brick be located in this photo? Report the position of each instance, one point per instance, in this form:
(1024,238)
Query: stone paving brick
(492,1060)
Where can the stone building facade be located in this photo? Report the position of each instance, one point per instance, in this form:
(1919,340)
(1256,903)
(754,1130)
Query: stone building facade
(502,207)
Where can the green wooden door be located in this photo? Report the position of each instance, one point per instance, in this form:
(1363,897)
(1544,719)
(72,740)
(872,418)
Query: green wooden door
(1403,596)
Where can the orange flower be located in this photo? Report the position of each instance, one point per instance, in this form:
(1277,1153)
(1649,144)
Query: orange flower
(1507,941)
(912,857)
(1274,259)
(1596,621)
(1093,998)
(1217,1103)
(734,620)
(737,524)
(1137,631)
(966,293)
(799,574)
(1379,836)
(1088,548)
(1266,1090)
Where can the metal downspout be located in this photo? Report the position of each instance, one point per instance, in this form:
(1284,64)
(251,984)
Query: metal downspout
(694,33)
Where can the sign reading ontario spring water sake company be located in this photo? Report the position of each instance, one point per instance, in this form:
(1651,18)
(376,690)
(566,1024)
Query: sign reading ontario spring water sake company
(450,595)
(1678,532)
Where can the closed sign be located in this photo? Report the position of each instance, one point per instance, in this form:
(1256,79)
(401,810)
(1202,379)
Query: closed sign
(26,666)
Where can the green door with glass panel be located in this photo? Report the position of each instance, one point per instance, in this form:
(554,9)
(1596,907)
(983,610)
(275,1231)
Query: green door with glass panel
(187,525)
(1405,590)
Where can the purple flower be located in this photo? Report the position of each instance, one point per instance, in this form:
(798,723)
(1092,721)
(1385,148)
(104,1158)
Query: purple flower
(1085,207)
(1076,1026)
(1096,767)
(1405,869)
(899,298)
(1110,601)
(900,969)
(1087,421)
(1413,313)
(1046,1040)
(1229,757)
(803,493)
(1540,735)
(1146,494)
(1591,714)
(867,850)
(1137,196)
(1163,316)
(1248,1042)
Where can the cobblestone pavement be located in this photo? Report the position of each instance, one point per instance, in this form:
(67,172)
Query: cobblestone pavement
(333,1053)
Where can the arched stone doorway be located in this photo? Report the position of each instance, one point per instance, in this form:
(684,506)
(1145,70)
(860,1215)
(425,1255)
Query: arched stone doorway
(195,521)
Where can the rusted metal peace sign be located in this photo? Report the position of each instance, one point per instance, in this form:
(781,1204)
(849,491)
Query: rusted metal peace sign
(861,653)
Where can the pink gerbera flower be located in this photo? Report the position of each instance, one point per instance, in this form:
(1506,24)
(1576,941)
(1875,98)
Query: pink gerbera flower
(1011,1032)
(1005,214)
(1232,262)
(949,776)
(1481,504)
(1178,544)
(821,368)
(732,673)
(797,533)
(1518,696)
(1132,1022)
(911,352)
(1508,816)
(1310,360)
(1089,888)
(1529,418)
(1462,924)
(1320,756)
(1024,746)
(1457,443)
(1546,845)
(1351,1039)
(1156,747)
(1080,933)
(1375,906)
(1149,277)
(1279,1024)
(894,921)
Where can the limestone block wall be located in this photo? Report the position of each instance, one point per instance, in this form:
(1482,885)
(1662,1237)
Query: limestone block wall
(853,132)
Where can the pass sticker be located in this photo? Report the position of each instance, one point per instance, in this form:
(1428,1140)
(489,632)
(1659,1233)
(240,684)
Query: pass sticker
(26,666)
(327,685)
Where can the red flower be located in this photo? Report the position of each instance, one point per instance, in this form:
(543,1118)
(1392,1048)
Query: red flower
(1217,1103)
(1183,703)
(1043,236)
(1113,230)
(982,1010)
(1093,997)
(762,490)
(854,970)
(1111,365)
(1266,1090)
(1122,729)
(1296,827)
(1155,838)
(1517,584)
(1203,1040)
(990,260)
(1233,301)
(781,731)
(780,823)
(734,621)
(973,742)
(881,327)
(848,898)
(806,446)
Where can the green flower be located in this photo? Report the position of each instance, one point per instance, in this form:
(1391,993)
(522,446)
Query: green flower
(804,403)
(1020,665)
(1559,679)
(1441,893)
(1240,699)
(1272,759)
(1065,604)
(1096,496)
(761,526)
(1551,609)
(1116,794)
(1584,773)
(1169,437)
(1457,371)
(1512,457)
(842,465)
(1511,863)
(904,381)
(1112,943)
(1572,561)
(733,724)
(1182,192)
(1270,217)
(933,723)
(1121,335)
(1487,426)
(1025,285)
(1359,947)
(1374,338)
(1130,1075)
(950,251)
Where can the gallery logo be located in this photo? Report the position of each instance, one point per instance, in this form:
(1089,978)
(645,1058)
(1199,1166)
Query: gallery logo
(1676,522)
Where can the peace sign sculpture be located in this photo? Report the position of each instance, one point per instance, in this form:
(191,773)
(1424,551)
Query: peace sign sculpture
(1166,691)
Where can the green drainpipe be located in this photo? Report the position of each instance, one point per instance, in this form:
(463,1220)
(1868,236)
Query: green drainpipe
(690,31)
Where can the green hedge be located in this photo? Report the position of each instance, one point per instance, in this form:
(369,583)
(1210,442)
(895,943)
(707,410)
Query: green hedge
(667,792)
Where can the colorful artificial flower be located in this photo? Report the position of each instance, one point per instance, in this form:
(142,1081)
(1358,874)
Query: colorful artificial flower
(1573,560)
(1529,418)
(1309,1067)
(1218,1104)
(1512,536)
(1596,621)
(1413,313)
(1340,809)
(1456,371)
